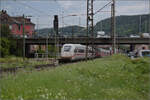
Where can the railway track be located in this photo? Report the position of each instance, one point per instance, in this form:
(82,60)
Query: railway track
(37,67)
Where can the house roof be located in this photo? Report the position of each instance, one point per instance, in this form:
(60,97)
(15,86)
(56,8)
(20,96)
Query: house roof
(6,19)
(21,20)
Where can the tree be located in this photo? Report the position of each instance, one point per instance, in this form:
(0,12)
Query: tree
(5,31)
(7,44)
(4,47)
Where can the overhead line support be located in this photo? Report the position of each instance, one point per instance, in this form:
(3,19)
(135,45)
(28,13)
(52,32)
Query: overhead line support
(90,26)
(113,27)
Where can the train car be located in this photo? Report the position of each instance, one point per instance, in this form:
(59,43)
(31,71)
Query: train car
(104,52)
(75,52)
(144,53)
(100,52)
(78,52)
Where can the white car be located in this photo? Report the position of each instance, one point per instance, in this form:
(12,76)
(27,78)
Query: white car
(134,36)
(145,35)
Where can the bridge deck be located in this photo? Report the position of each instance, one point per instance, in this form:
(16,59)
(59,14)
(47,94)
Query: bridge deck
(97,41)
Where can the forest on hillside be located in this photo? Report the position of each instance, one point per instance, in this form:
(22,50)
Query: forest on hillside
(125,26)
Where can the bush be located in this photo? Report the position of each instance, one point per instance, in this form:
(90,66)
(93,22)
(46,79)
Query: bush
(4,47)
(142,65)
(7,45)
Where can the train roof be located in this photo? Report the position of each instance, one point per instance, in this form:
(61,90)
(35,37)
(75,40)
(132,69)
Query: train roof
(144,50)
(74,44)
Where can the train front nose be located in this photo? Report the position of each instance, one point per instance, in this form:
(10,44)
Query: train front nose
(65,54)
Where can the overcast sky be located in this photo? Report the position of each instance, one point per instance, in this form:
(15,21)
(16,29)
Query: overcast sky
(42,11)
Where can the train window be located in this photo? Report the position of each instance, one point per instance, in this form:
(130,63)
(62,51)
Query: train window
(75,51)
(146,53)
(67,48)
(81,50)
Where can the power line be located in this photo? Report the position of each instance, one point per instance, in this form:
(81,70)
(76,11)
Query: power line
(39,11)
(102,7)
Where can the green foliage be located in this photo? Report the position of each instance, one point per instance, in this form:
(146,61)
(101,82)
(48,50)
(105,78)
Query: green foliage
(13,62)
(7,45)
(125,25)
(51,48)
(4,46)
(110,78)
(5,31)
(142,65)
(13,47)
(40,50)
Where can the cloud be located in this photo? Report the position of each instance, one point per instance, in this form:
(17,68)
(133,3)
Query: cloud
(65,4)
(133,8)
(70,7)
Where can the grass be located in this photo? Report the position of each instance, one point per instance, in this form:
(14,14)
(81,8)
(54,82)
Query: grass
(110,78)
(13,62)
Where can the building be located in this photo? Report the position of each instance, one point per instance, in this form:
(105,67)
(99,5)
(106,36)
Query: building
(141,47)
(16,24)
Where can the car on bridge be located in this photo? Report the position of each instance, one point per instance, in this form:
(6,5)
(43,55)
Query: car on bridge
(145,35)
(134,36)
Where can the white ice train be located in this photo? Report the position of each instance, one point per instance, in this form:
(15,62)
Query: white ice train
(78,52)
(144,53)
(75,52)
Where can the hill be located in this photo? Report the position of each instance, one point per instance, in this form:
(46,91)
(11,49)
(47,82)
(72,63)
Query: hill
(125,25)
(68,30)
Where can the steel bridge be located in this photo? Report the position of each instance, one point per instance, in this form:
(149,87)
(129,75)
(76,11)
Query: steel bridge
(80,40)
(84,40)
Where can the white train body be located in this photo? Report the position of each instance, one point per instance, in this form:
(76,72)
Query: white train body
(75,52)
(104,52)
(144,53)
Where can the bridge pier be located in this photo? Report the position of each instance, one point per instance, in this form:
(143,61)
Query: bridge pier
(132,47)
(27,50)
(19,51)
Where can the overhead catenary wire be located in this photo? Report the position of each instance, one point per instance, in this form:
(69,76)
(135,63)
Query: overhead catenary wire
(37,10)
(149,21)
(102,7)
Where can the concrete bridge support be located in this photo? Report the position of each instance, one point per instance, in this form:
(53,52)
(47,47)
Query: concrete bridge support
(132,47)
(27,51)
(19,51)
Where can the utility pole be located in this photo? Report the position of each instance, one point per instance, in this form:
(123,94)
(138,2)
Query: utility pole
(90,26)
(145,26)
(62,21)
(149,16)
(79,21)
(113,27)
(37,25)
(47,46)
(23,38)
(140,24)
(101,25)
(55,22)
(72,33)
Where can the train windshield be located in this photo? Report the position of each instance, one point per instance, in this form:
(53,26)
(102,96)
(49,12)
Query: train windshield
(67,48)
(146,53)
